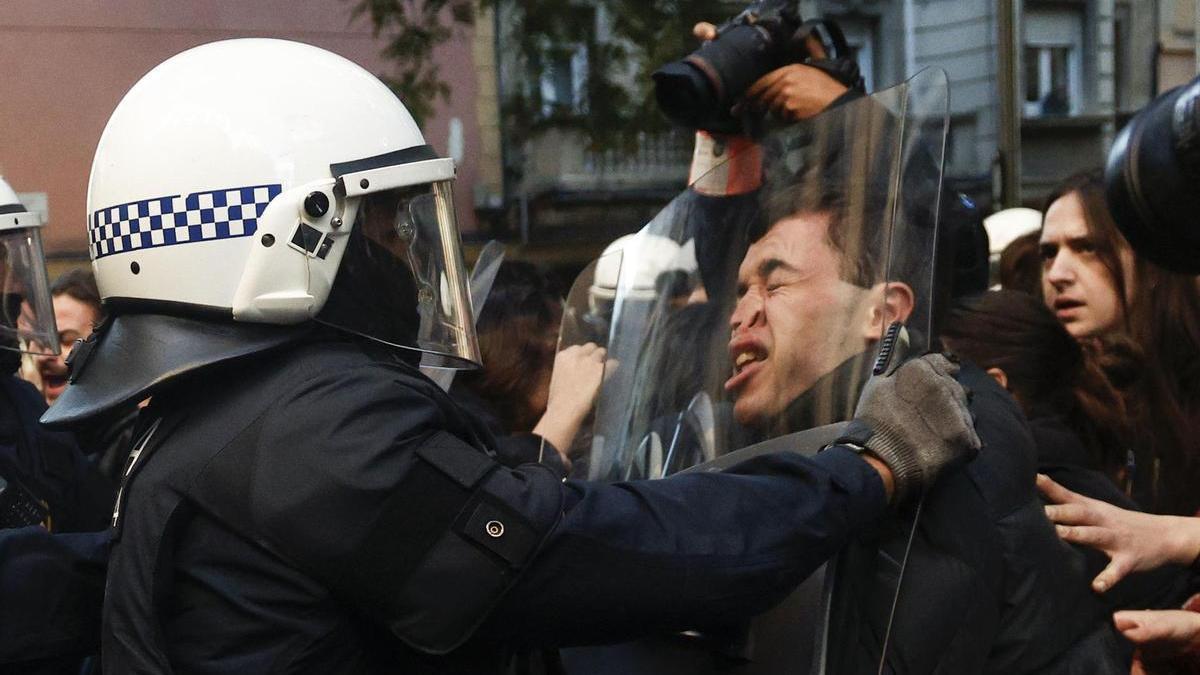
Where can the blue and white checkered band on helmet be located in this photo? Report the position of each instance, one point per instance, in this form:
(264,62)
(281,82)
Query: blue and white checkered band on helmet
(165,221)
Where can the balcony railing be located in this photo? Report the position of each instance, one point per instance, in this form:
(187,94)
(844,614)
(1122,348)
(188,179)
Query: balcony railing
(558,159)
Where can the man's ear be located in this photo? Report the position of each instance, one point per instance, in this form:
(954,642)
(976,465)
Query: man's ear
(999,376)
(889,301)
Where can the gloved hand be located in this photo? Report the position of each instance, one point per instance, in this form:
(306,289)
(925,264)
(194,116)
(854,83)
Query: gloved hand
(915,420)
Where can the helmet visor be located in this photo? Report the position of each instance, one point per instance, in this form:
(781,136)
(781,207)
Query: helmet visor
(26,311)
(402,279)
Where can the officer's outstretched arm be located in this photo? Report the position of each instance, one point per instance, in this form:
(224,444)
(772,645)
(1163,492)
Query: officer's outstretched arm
(391,508)
(700,550)
(51,593)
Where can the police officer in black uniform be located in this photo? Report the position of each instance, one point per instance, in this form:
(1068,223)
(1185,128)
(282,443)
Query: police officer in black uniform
(276,246)
(46,483)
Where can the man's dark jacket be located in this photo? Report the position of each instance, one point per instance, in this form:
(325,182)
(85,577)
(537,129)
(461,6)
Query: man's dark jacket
(989,587)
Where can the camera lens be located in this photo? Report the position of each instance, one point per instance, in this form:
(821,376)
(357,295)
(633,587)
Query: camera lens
(684,94)
(1150,184)
(698,91)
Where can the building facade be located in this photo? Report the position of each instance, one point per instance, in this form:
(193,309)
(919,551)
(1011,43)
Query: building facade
(67,63)
(1082,67)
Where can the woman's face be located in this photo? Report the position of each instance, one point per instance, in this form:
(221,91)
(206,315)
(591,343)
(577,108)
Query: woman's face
(1076,285)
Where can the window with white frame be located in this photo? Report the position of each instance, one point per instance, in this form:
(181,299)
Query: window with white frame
(1052,58)
(562,80)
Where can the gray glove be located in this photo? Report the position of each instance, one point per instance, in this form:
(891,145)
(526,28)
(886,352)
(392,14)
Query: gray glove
(916,421)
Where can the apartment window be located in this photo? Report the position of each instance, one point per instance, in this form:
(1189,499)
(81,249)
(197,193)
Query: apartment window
(1052,57)
(563,81)
(1048,82)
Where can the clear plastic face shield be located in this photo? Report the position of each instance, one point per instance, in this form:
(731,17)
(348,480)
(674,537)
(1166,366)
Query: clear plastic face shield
(402,279)
(26,309)
(772,325)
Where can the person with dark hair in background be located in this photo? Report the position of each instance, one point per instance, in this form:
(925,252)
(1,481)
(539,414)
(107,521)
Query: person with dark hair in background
(1098,287)
(1077,417)
(46,484)
(527,392)
(77,310)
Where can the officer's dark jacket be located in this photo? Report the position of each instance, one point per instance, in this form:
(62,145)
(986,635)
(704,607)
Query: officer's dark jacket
(510,449)
(50,585)
(328,509)
(49,464)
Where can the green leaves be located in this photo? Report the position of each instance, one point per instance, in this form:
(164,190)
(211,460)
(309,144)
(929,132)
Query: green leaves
(624,41)
(413,29)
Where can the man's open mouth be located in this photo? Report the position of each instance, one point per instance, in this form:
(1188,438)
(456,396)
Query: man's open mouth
(748,356)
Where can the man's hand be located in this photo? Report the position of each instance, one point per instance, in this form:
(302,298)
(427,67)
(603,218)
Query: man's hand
(793,92)
(919,422)
(574,385)
(1133,541)
(705,31)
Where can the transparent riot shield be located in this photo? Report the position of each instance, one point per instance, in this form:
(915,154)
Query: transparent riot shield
(483,275)
(777,325)
(864,604)
(588,318)
(736,320)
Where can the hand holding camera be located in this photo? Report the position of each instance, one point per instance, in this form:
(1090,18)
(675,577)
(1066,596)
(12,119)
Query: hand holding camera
(767,54)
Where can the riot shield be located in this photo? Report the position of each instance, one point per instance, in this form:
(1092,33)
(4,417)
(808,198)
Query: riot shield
(588,318)
(777,327)
(483,275)
(771,325)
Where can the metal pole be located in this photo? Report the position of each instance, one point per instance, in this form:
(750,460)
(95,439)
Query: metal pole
(1008,45)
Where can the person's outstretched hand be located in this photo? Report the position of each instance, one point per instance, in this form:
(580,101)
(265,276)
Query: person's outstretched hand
(1132,540)
(1164,638)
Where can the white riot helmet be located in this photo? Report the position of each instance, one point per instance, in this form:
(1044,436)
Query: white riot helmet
(26,311)
(256,185)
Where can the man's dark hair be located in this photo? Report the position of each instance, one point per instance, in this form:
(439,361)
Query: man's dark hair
(855,227)
(79,284)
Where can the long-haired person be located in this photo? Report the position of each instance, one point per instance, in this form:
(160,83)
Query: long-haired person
(1099,288)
